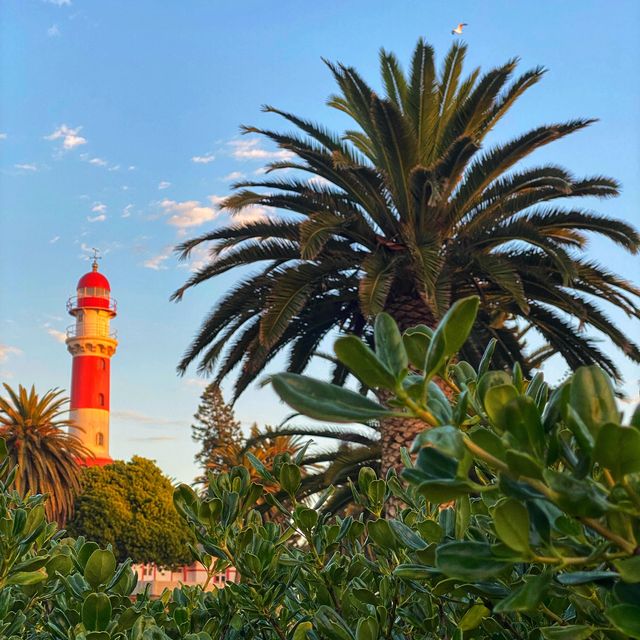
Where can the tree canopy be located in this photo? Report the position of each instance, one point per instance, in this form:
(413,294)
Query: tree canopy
(129,505)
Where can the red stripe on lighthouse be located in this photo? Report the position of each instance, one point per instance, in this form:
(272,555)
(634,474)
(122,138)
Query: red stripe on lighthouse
(90,383)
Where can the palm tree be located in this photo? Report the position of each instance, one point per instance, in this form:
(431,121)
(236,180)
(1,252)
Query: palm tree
(334,466)
(45,453)
(405,212)
(265,445)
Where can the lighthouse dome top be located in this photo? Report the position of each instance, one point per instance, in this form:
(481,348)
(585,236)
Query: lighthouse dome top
(94,279)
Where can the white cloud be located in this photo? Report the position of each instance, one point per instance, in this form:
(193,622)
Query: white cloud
(100,218)
(252,213)
(26,167)
(205,159)
(198,383)
(53,31)
(156,262)
(131,167)
(126,212)
(70,137)
(99,162)
(54,239)
(234,175)
(198,258)
(136,416)
(99,207)
(6,352)
(3,136)
(164,185)
(114,167)
(59,3)
(60,336)
(190,213)
(250,149)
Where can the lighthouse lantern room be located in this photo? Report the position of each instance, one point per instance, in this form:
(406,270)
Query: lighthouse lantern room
(92,344)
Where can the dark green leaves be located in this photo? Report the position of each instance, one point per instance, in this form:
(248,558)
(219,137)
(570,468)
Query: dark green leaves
(593,398)
(511,521)
(100,568)
(389,346)
(451,333)
(625,618)
(363,363)
(618,449)
(527,597)
(469,561)
(324,401)
(96,612)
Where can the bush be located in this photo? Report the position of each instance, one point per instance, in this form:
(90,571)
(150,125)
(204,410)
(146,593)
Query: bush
(518,518)
(129,506)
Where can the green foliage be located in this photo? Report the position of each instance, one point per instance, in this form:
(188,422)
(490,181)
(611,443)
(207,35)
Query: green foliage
(34,428)
(543,530)
(128,505)
(215,429)
(540,540)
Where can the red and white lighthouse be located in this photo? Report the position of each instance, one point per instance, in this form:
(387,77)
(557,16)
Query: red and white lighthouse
(92,344)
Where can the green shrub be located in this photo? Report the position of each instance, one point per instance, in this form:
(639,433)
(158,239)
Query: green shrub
(518,517)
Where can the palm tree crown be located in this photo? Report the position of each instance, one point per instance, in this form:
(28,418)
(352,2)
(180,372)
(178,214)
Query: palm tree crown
(33,427)
(406,212)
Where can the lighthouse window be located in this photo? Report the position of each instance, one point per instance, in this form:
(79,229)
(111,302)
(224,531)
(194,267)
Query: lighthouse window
(102,364)
(101,399)
(99,439)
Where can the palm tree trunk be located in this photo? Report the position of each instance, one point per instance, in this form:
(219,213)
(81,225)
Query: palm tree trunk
(408,310)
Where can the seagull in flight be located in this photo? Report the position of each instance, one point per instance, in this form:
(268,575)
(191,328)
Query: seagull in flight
(458,29)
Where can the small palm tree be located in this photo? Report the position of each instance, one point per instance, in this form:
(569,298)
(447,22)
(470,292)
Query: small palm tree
(34,428)
(405,212)
(265,445)
(333,466)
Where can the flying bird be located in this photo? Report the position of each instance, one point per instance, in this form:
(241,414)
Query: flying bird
(458,29)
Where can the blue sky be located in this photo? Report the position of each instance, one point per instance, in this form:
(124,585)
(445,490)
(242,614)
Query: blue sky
(119,129)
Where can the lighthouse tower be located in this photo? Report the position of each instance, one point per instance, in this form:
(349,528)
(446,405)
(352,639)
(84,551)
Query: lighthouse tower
(92,344)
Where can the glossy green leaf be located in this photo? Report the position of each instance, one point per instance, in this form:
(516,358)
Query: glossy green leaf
(389,345)
(492,379)
(618,449)
(593,398)
(447,439)
(469,561)
(367,629)
(416,344)
(527,597)
(625,618)
(96,612)
(473,617)
(456,324)
(25,578)
(568,632)
(511,521)
(301,631)
(574,578)
(577,497)
(100,568)
(363,363)
(629,569)
(381,533)
(407,536)
(324,401)
(523,464)
(290,478)
(414,572)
